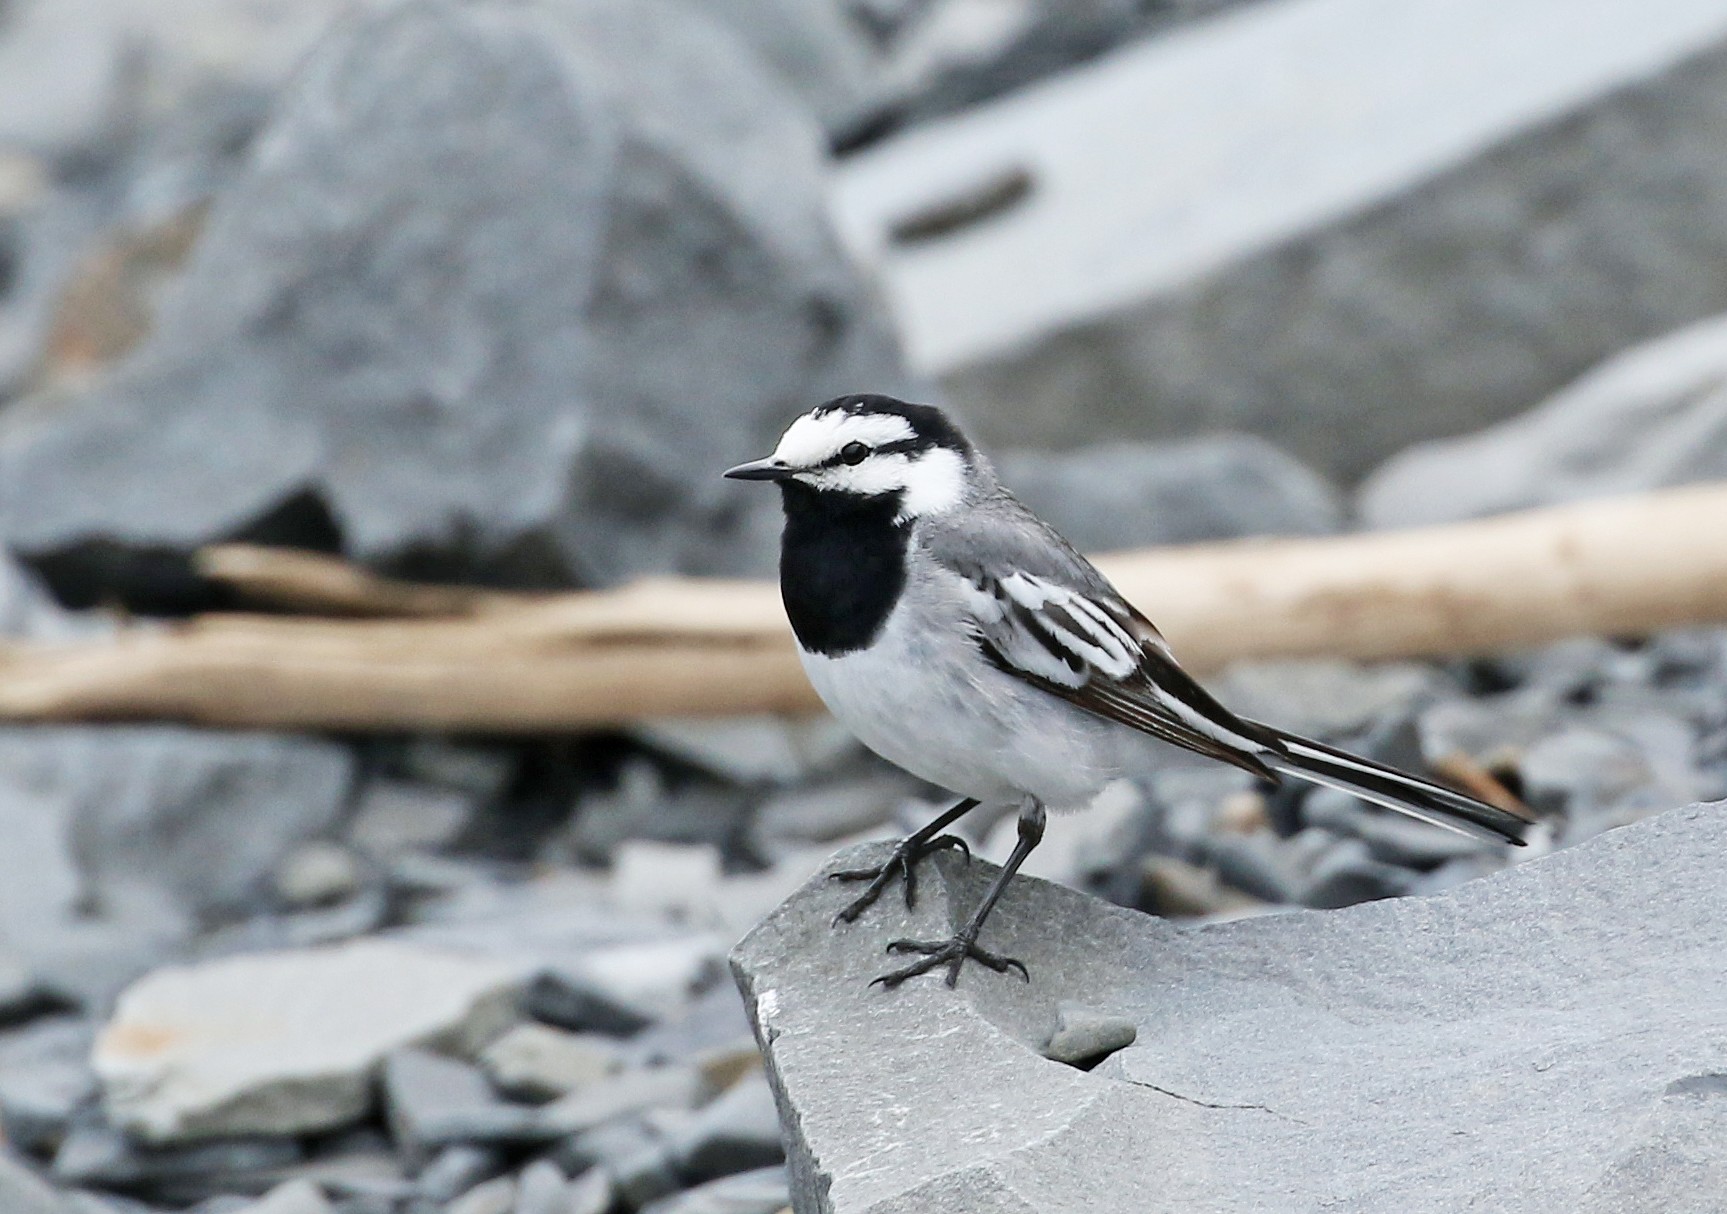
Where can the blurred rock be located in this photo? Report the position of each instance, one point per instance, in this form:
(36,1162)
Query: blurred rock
(1553,1005)
(543,1189)
(433,1101)
(496,1196)
(763,1191)
(457,1169)
(317,874)
(195,819)
(45,1078)
(665,1087)
(534,1062)
(1649,418)
(823,812)
(395,816)
(62,75)
(295,1197)
(821,55)
(738,1131)
(21,1192)
(1130,495)
(289,1042)
(1353,232)
(1324,697)
(1347,873)
(753,749)
(572,999)
(559,305)
(100,1156)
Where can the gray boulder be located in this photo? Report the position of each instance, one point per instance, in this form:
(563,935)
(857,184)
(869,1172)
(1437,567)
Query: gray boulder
(1537,1040)
(22,1193)
(1334,223)
(115,843)
(1653,417)
(502,289)
(1124,495)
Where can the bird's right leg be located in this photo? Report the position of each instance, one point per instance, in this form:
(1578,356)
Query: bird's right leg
(912,848)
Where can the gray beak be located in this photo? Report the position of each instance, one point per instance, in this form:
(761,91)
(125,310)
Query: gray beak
(759,470)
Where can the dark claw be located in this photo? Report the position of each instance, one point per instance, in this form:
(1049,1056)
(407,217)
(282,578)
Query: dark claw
(903,861)
(952,953)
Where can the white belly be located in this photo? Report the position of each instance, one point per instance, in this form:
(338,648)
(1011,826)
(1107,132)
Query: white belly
(928,704)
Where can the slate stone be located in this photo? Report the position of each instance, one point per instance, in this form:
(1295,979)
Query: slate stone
(45,1079)
(1084,1034)
(496,1196)
(498,291)
(1500,1045)
(737,1131)
(433,1101)
(569,999)
(23,1192)
(285,1043)
(1648,418)
(1354,232)
(759,1192)
(100,1156)
(1132,495)
(194,818)
(294,1197)
(536,1062)
(456,1169)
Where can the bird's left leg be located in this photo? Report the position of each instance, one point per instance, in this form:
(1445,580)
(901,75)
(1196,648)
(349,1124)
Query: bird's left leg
(911,849)
(955,952)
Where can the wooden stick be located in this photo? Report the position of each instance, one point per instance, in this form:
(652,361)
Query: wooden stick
(505,663)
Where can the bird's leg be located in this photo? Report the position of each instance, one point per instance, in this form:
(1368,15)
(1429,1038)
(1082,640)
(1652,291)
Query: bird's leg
(955,952)
(911,849)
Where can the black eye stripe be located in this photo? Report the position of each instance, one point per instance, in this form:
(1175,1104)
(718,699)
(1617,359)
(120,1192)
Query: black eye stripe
(901,447)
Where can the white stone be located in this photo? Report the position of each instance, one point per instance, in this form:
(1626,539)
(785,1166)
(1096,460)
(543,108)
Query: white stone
(541,1062)
(288,1042)
(1164,160)
(294,1197)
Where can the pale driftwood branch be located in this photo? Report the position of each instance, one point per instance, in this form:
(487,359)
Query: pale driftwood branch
(503,663)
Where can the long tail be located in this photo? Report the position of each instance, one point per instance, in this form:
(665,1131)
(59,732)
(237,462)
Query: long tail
(1393,789)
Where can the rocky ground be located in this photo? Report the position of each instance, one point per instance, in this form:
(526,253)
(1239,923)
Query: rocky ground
(488,291)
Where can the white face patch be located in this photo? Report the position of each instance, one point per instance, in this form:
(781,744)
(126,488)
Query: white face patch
(930,481)
(816,437)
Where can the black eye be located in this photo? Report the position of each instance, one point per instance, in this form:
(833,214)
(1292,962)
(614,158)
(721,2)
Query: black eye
(854,453)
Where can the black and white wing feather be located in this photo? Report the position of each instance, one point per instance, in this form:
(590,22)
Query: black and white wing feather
(1043,613)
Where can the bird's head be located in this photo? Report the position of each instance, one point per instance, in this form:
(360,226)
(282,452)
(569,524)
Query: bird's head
(873,448)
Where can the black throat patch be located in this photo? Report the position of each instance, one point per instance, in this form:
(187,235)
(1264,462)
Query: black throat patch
(842,566)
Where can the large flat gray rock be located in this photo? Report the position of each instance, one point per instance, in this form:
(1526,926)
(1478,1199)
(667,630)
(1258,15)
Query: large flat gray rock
(501,286)
(1342,224)
(1544,1040)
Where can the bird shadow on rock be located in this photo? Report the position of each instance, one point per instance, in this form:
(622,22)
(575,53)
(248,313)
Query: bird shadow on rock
(1501,1043)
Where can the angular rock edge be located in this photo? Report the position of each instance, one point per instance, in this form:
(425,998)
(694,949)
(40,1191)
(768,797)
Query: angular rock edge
(1546,1039)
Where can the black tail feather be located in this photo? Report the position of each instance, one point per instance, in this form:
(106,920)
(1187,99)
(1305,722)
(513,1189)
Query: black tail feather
(1394,789)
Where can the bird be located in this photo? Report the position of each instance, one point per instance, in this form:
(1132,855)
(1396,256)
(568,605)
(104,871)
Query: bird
(961,638)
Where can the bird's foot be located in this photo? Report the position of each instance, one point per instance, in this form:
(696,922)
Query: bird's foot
(904,861)
(952,953)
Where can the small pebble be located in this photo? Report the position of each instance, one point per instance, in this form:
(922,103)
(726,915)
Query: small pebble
(493,1197)
(317,874)
(536,1062)
(1084,1034)
(295,1197)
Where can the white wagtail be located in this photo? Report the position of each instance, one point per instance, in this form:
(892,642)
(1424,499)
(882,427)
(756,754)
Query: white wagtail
(961,638)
